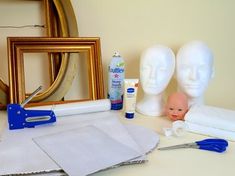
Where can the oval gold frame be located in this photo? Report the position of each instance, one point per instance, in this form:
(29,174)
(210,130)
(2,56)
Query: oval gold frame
(67,69)
(68,26)
(4,89)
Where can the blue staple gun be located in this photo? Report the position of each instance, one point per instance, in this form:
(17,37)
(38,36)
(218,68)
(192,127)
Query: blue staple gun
(19,118)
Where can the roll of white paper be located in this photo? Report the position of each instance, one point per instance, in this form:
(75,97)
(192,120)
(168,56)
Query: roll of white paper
(178,127)
(78,107)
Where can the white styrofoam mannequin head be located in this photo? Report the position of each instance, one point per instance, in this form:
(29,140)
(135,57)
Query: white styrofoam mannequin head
(156,69)
(194,70)
(157,66)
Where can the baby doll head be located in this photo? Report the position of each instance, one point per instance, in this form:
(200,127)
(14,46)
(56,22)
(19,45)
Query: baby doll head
(176,106)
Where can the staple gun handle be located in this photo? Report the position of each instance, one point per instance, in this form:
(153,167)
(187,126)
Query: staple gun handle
(38,117)
(19,117)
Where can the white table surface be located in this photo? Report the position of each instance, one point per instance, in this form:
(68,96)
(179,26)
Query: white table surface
(180,162)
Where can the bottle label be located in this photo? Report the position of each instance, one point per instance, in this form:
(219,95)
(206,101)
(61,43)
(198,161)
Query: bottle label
(116,78)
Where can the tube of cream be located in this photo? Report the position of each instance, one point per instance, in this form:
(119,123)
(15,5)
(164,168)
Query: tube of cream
(130,94)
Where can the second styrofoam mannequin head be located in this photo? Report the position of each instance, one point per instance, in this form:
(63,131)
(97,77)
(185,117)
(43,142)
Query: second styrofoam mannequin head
(194,70)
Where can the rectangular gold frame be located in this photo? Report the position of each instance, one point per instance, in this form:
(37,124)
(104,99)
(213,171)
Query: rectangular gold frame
(17,46)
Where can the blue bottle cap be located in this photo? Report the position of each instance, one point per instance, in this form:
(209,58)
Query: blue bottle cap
(129,115)
(117,106)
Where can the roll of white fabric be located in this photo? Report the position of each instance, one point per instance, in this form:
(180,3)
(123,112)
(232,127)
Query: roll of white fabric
(213,117)
(78,107)
(210,131)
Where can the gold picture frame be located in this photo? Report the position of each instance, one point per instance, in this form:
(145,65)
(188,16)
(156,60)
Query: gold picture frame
(17,46)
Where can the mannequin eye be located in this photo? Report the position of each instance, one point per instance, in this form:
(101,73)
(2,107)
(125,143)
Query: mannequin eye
(203,68)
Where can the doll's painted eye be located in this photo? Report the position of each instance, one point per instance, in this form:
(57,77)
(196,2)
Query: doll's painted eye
(180,109)
(171,109)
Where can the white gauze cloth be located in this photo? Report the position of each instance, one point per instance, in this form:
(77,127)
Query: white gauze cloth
(210,131)
(213,117)
(211,121)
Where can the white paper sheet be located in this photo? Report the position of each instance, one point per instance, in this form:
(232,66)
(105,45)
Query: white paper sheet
(23,157)
(85,150)
(146,138)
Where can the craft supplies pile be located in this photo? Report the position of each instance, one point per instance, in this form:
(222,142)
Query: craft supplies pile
(77,144)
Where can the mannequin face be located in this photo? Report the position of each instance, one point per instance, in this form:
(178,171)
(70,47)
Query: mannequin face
(176,106)
(156,69)
(194,69)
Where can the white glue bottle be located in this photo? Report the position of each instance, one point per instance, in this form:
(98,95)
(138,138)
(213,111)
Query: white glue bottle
(116,81)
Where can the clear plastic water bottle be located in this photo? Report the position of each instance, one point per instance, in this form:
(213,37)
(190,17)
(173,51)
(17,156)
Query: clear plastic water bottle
(116,81)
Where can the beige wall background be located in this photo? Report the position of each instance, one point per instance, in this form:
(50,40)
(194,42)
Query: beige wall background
(16,13)
(131,26)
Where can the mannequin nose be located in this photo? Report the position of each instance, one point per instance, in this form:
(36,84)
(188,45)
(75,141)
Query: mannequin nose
(153,73)
(194,74)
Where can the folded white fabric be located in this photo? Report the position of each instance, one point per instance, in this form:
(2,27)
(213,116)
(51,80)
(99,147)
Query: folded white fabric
(210,116)
(212,121)
(210,131)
